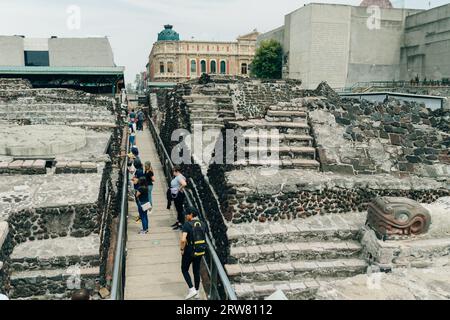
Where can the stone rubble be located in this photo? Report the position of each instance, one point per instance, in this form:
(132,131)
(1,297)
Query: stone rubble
(294,224)
(63,159)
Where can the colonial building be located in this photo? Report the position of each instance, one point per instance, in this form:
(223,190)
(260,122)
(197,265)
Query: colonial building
(175,60)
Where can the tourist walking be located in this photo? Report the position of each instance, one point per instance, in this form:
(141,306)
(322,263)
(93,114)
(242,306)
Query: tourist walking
(140,120)
(150,177)
(132,116)
(139,173)
(176,194)
(193,248)
(142,198)
(132,131)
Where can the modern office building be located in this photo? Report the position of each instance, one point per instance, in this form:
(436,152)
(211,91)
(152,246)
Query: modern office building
(344,44)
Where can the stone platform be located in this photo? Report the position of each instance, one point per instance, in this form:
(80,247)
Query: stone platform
(58,189)
(401,284)
(33,192)
(334,256)
(255,194)
(38,140)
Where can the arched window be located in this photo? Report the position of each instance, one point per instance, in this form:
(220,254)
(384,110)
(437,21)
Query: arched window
(244,68)
(170,67)
(203,66)
(193,66)
(223,67)
(213,66)
(161,67)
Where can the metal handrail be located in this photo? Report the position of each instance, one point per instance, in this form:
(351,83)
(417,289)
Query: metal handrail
(214,266)
(118,281)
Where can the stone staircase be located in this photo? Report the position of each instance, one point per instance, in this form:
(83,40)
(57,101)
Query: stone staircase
(295,148)
(54,267)
(296,257)
(62,113)
(212,110)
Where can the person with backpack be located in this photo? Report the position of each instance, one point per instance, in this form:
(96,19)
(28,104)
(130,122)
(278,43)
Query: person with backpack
(193,247)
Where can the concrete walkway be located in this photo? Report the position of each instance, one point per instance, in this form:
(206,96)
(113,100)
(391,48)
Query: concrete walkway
(153,270)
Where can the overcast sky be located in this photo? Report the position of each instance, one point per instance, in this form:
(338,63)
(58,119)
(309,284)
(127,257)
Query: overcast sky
(132,25)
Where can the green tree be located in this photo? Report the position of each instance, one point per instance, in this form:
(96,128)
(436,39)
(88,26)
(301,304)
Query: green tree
(268,61)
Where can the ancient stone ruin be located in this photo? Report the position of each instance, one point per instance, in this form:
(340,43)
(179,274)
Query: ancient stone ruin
(59,177)
(296,222)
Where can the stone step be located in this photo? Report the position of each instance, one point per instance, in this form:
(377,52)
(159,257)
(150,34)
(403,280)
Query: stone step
(304,289)
(208,126)
(201,98)
(286,119)
(285,252)
(295,270)
(306,164)
(56,253)
(284,139)
(287,109)
(201,105)
(211,108)
(228,118)
(336,227)
(281,149)
(286,116)
(59,281)
(206,119)
(301,163)
(298,128)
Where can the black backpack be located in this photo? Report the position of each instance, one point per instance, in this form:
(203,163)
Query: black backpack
(198,239)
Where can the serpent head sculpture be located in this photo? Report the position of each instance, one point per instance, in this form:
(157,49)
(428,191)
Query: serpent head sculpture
(391,217)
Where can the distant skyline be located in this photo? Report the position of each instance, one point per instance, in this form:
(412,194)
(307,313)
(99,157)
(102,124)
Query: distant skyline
(132,25)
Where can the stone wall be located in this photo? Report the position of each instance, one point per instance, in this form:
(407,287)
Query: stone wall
(359,137)
(5,251)
(176,116)
(29,167)
(252,98)
(75,167)
(248,195)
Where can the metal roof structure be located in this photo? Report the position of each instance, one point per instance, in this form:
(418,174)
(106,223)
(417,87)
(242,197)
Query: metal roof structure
(63,70)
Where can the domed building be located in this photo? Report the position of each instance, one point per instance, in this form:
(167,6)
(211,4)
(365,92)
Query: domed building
(175,60)
(168,34)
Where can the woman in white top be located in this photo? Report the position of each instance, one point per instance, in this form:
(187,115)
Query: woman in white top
(177,186)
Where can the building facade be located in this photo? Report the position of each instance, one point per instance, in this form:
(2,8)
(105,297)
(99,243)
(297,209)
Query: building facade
(344,44)
(426,47)
(80,63)
(175,60)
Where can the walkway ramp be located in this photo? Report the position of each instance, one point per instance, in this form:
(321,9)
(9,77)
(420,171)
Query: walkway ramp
(153,267)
